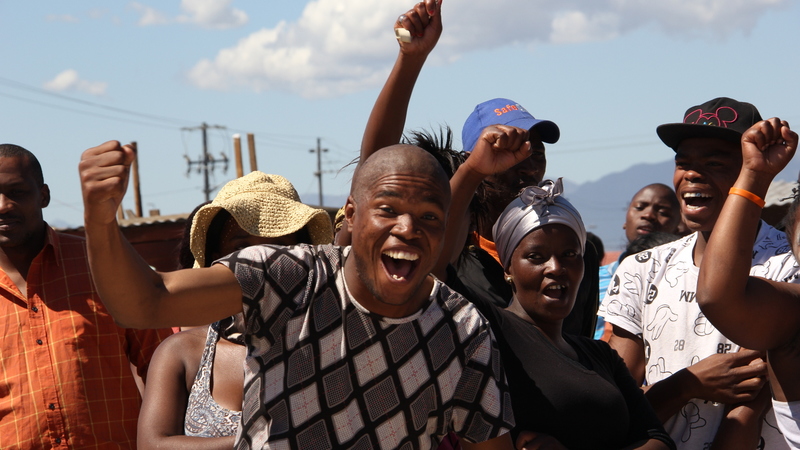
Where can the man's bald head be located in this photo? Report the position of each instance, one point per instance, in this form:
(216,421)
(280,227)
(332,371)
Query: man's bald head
(399,159)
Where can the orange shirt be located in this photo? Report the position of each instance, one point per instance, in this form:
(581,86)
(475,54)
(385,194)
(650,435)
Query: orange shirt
(65,366)
(487,246)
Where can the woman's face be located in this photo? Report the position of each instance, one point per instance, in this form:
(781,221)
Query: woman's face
(235,238)
(547,268)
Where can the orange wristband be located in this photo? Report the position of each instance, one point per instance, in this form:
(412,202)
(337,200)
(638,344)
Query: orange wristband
(748,195)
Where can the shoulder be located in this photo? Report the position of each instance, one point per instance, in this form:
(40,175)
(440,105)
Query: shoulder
(184,341)
(183,349)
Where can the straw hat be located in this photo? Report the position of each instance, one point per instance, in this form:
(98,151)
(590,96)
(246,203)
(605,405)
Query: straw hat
(263,205)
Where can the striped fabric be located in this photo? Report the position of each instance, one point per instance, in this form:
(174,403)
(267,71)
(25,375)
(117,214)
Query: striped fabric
(66,369)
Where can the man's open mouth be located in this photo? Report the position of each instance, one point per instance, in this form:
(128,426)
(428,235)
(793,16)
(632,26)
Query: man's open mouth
(695,200)
(400,265)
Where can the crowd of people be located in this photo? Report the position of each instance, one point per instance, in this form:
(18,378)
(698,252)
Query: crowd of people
(459,301)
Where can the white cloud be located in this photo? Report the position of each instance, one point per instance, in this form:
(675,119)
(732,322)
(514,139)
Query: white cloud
(61,18)
(148,15)
(341,46)
(212,14)
(69,80)
(574,27)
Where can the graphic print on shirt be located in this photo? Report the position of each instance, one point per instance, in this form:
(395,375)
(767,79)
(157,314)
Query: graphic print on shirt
(661,318)
(675,271)
(702,326)
(761,270)
(691,413)
(633,283)
(617,308)
(658,371)
(676,334)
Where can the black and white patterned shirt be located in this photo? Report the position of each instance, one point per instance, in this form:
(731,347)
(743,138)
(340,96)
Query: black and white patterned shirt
(322,372)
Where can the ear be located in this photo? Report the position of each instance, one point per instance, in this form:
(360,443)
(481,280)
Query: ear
(349,213)
(45,193)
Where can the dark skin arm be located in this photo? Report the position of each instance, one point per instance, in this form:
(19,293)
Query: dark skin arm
(498,148)
(388,116)
(135,295)
(741,426)
(161,418)
(725,292)
(724,378)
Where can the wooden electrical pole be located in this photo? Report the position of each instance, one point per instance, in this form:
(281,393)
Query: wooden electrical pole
(237,155)
(137,193)
(251,146)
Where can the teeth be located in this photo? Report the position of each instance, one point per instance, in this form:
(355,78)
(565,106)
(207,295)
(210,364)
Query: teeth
(556,286)
(396,254)
(397,277)
(695,195)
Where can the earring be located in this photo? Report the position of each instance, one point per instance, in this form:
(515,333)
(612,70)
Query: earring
(509,279)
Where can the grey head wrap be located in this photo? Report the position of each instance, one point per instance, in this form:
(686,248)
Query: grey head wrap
(535,207)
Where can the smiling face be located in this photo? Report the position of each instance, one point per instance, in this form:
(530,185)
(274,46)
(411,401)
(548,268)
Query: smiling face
(654,208)
(547,268)
(22,198)
(397,217)
(705,170)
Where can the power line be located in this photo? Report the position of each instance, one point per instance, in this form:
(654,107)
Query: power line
(17,84)
(88,113)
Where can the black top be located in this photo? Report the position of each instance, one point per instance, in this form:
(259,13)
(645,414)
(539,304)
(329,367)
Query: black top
(592,403)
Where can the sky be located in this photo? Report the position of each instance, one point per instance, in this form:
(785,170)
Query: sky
(77,74)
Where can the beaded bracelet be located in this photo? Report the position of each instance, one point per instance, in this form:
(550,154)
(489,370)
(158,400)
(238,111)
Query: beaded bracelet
(748,195)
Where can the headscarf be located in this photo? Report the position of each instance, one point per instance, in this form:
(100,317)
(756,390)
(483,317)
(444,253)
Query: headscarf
(535,207)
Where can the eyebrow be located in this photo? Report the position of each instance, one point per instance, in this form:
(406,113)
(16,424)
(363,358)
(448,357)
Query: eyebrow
(432,199)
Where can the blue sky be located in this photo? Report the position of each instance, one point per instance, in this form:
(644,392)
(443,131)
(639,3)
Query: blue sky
(76,74)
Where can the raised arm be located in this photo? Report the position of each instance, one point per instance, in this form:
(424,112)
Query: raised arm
(135,295)
(388,116)
(726,293)
(498,148)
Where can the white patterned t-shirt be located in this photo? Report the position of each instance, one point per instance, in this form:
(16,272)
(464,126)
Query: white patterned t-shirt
(322,372)
(652,295)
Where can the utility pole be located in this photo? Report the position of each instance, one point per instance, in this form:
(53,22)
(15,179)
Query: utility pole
(318,172)
(207,162)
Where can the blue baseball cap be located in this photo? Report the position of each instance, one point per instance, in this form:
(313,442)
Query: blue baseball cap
(502,111)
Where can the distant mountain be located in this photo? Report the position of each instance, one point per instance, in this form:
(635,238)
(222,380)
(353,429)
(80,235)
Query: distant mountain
(603,203)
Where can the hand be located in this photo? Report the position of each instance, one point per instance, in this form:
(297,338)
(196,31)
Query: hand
(529,440)
(729,377)
(768,146)
(499,148)
(104,172)
(424,22)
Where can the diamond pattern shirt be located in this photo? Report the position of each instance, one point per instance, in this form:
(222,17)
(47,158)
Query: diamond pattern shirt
(322,372)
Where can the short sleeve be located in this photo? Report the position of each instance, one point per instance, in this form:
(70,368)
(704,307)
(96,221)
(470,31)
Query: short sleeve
(622,305)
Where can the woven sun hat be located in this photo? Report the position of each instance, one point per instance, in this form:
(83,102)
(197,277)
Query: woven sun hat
(263,205)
